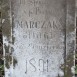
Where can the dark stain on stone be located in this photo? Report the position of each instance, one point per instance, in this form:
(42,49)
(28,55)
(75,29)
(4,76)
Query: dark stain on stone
(5,11)
(8,61)
(72,47)
(12,49)
(14,62)
(6,28)
(13,40)
(70,28)
(6,48)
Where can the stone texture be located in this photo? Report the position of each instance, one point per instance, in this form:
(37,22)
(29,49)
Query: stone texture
(39,38)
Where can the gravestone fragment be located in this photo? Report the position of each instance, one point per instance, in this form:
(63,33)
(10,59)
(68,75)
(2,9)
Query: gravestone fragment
(39,38)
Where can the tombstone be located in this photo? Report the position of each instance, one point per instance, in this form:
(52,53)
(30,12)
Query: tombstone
(38,38)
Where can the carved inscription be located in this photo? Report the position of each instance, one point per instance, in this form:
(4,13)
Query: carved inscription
(39,37)
(36,9)
(38,25)
(42,64)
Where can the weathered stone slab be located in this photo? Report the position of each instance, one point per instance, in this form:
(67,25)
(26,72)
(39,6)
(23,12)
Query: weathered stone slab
(39,38)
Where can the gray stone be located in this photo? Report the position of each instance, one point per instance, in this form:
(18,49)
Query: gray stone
(39,38)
